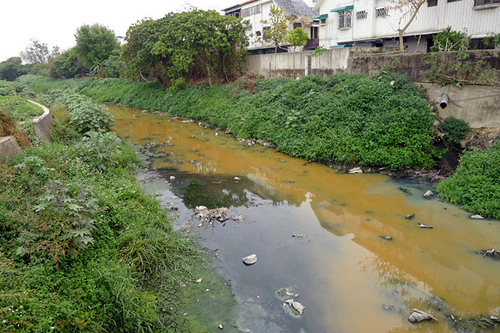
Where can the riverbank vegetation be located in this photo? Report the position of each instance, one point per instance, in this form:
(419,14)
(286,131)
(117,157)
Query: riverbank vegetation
(474,185)
(345,119)
(82,248)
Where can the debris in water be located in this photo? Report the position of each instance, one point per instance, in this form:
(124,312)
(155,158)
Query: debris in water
(355,170)
(286,293)
(172,177)
(419,315)
(220,326)
(423,226)
(389,307)
(477,217)
(298,235)
(410,216)
(200,280)
(296,307)
(389,238)
(493,253)
(250,260)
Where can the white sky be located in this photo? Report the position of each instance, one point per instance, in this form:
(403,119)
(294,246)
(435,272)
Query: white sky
(54,22)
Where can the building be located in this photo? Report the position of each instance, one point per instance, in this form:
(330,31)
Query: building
(257,11)
(344,23)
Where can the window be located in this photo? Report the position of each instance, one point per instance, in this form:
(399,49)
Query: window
(246,12)
(361,14)
(432,3)
(381,11)
(323,21)
(314,32)
(452,0)
(345,20)
(258,33)
(485,2)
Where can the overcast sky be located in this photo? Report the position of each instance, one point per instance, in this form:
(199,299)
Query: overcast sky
(54,22)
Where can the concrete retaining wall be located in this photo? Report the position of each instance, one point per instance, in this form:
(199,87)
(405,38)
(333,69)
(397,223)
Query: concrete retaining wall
(478,105)
(41,127)
(8,146)
(42,124)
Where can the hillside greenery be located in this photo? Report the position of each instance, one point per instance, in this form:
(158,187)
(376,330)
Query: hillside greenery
(82,248)
(345,119)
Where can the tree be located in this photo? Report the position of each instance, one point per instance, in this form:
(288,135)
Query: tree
(199,43)
(11,69)
(66,66)
(408,8)
(94,44)
(36,53)
(297,37)
(277,32)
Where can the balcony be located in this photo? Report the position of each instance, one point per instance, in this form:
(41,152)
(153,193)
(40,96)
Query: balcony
(312,44)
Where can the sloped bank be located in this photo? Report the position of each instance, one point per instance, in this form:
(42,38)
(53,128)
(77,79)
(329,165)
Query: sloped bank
(345,119)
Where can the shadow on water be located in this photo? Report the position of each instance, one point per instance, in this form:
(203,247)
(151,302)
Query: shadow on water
(343,242)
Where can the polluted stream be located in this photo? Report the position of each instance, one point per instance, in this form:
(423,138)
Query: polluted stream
(345,248)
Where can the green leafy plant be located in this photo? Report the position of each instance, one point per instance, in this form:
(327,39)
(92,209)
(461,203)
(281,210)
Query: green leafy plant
(454,130)
(297,37)
(474,185)
(450,40)
(318,52)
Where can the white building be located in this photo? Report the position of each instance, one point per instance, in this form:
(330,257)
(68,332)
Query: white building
(257,11)
(344,23)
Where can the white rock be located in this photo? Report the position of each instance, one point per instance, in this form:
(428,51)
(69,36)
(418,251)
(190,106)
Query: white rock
(418,316)
(477,217)
(250,260)
(355,170)
(296,306)
(172,177)
(428,194)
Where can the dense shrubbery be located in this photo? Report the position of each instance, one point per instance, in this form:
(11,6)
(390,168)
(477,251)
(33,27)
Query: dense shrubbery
(474,185)
(82,249)
(345,119)
(454,130)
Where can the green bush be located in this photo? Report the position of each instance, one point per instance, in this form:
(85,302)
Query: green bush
(474,185)
(454,129)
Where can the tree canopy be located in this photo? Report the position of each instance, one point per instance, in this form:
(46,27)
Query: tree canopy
(186,46)
(94,44)
(297,37)
(277,32)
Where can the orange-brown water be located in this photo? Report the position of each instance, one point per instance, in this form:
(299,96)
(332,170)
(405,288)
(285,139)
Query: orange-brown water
(345,271)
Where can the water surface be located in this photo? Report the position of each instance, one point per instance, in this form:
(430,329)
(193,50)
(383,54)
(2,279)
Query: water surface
(349,278)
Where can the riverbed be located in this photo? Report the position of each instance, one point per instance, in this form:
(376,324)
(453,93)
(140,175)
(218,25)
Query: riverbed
(347,244)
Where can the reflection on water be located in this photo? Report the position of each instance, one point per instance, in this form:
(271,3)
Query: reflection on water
(349,278)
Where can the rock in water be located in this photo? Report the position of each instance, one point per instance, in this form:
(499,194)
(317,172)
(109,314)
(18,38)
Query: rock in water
(250,260)
(355,170)
(296,307)
(428,194)
(418,316)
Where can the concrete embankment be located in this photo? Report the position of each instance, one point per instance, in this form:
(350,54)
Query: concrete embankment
(41,127)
